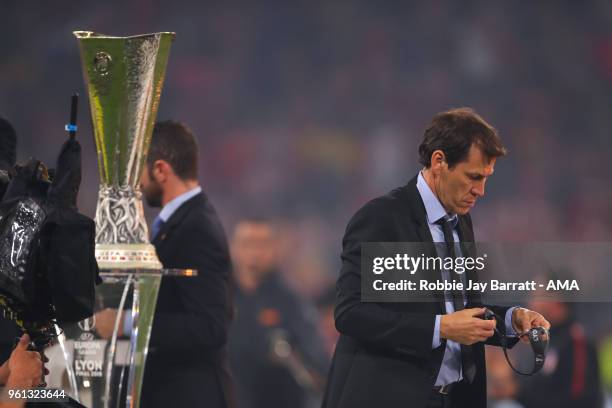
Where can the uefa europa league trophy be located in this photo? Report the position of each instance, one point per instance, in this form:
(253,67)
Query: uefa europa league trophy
(124,77)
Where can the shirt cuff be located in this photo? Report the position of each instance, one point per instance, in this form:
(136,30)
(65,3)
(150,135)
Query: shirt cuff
(435,343)
(509,329)
(127,322)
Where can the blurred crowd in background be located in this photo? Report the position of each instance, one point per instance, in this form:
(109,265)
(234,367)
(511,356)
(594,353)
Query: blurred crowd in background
(305,110)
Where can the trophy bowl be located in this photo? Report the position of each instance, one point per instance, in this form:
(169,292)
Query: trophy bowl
(124,78)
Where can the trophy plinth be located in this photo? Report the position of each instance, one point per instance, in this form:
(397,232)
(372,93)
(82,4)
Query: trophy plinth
(124,77)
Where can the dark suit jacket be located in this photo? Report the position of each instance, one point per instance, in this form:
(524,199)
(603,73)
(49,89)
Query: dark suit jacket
(384,356)
(187,363)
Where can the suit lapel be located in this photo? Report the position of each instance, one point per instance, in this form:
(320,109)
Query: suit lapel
(175,219)
(414,202)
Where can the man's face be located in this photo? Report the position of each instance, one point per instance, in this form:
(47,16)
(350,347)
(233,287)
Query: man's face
(254,248)
(151,189)
(460,187)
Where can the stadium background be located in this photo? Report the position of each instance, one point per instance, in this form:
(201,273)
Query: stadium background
(305,110)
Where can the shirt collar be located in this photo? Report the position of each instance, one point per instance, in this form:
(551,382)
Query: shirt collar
(175,203)
(433,207)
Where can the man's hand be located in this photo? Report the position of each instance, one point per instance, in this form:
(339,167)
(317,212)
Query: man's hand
(25,366)
(524,319)
(105,323)
(4,373)
(465,327)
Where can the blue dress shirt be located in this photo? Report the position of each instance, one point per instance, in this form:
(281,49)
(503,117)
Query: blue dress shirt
(174,205)
(450,371)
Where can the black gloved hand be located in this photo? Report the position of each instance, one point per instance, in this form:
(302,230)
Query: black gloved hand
(67,178)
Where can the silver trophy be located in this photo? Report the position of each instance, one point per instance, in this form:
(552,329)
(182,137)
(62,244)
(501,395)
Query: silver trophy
(124,77)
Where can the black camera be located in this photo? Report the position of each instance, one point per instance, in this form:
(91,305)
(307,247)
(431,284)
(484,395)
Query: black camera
(48,269)
(538,339)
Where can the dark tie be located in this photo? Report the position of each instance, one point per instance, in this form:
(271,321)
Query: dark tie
(158,223)
(467,358)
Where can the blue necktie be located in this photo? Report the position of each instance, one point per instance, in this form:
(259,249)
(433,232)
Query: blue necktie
(157,225)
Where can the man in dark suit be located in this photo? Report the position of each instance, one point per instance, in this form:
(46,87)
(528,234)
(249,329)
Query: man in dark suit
(187,363)
(430,353)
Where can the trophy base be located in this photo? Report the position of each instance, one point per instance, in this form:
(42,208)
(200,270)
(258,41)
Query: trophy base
(127,256)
